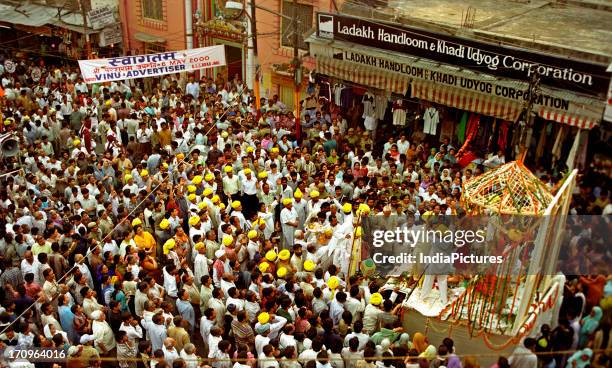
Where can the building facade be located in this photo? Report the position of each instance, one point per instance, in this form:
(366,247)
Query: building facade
(151,26)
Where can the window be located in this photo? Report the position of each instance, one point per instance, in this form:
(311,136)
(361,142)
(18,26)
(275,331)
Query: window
(304,14)
(153,9)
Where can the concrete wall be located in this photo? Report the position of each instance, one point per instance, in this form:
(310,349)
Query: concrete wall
(171,28)
(269,39)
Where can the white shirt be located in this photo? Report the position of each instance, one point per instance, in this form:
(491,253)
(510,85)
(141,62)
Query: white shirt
(170,284)
(249,187)
(133,332)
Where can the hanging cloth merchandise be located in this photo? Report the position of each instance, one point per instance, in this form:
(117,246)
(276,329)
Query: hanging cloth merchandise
(380,101)
(431,118)
(502,137)
(369,109)
(337,92)
(556,151)
(541,143)
(571,157)
(461,127)
(472,127)
(583,149)
(399,113)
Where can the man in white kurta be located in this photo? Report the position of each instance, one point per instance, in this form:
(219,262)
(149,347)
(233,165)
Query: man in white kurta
(200,263)
(342,241)
(289,222)
(301,208)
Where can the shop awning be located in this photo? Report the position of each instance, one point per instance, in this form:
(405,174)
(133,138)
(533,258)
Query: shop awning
(149,38)
(501,99)
(470,101)
(388,81)
(31,15)
(582,121)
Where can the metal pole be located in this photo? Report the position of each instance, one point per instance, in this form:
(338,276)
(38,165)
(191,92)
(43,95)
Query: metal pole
(297,72)
(85,34)
(255,60)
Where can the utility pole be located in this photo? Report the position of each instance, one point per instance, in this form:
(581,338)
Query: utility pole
(255,57)
(85,6)
(297,72)
(533,92)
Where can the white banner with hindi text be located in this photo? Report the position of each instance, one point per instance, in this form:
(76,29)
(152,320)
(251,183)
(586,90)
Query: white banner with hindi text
(151,65)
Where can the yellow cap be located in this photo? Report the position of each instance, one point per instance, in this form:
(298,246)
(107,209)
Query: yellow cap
(314,194)
(250,149)
(202,205)
(358,231)
(209,177)
(376,299)
(262,175)
(333,282)
(281,272)
(252,234)
(297,194)
(164,224)
(224,134)
(165,165)
(76,142)
(228,169)
(274,150)
(258,222)
(194,220)
(191,197)
(107,103)
(215,199)
(207,192)
(222,206)
(364,207)
(191,188)
(199,246)
(247,171)
(347,207)
(284,254)
(287,201)
(144,173)
(180,156)
(170,243)
(136,221)
(263,318)
(127,177)
(328,232)
(263,267)
(309,265)
(236,204)
(197,179)
(227,240)
(271,255)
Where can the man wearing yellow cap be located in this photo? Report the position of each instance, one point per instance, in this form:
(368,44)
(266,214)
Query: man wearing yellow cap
(237,212)
(289,222)
(341,243)
(371,313)
(209,182)
(314,204)
(231,184)
(301,208)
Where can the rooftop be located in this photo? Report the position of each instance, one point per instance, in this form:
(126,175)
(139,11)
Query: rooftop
(576,28)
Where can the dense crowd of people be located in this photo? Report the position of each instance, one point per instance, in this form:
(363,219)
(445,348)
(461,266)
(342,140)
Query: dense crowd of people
(178,225)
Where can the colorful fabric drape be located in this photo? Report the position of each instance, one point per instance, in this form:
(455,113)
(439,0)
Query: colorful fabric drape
(461,128)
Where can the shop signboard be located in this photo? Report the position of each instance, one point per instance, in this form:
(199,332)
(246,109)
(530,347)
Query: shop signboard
(498,60)
(101,17)
(111,35)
